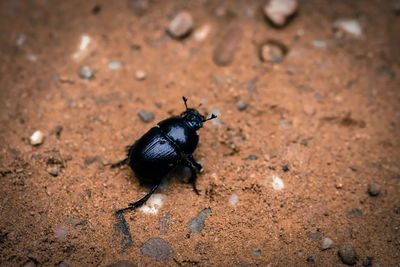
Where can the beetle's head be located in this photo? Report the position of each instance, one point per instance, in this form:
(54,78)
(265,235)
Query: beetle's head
(193,117)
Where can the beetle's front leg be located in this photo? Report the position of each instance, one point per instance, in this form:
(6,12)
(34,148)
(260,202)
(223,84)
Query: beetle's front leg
(195,163)
(193,176)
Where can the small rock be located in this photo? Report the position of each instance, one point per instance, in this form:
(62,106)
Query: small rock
(251,157)
(309,109)
(113,65)
(348,255)
(157,248)
(58,130)
(285,168)
(326,243)
(272,52)
(85,72)
(54,170)
(355,212)
(241,105)
(256,252)
(62,264)
(140,75)
(275,181)
(234,199)
(154,203)
(278,11)
(319,43)
(139,7)
(146,116)
(225,50)
(310,259)
(196,224)
(368,261)
(181,25)
(201,33)
(349,25)
(123,263)
(373,190)
(37,138)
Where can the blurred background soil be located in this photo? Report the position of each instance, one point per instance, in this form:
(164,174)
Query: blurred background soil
(302,166)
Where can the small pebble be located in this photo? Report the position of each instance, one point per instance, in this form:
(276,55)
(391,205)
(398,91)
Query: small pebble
(251,157)
(326,243)
(368,261)
(154,203)
(226,47)
(62,264)
(272,53)
(123,263)
(234,199)
(140,75)
(181,25)
(146,116)
(241,105)
(373,190)
(275,181)
(285,168)
(157,248)
(113,65)
(37,138)
(348,255)
(216,121)
(53,170)
(278,11)
(196,224)
(319,43)
(201,33)
(310,259)
(349,25)
(256,252)
(86,72)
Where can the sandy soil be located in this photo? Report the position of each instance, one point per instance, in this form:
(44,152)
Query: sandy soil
(325,120)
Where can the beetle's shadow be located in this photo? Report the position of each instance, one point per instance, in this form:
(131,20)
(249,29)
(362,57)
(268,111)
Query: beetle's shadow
(180,173)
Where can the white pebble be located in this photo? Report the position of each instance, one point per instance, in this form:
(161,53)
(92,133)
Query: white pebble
(153,204)
(113,65)
(234,199)
(140,75)
(327,243)
(21,40)
(83,46)
(275,181)
(279,10)
(319,43)
(201,33)
(37,138)
(349,25)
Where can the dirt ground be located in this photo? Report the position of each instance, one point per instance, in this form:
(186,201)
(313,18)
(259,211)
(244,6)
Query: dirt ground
(325,122)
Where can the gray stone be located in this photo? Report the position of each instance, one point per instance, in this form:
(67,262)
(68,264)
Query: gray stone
(85,72)
(241,105)
(348,255)
(53,170)
(278,11)
(123,263)
(181,25)
(157,248)
(146,116)
(256,252)
(113,65)
(326,243)
(196,224)
(272,53)
(62,264)
(373,190)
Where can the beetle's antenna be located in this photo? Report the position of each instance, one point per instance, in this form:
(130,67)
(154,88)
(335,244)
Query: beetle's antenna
(212,117)
(185,100)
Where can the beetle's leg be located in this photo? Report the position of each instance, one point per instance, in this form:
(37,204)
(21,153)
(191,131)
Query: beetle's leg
(120,163)
(193,177)
(195,163)
(140,202)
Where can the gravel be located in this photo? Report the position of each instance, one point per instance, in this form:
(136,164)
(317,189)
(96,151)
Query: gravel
(157,248)
(36,138)
(85,72)
(373,190)
(181,25)
(348,255)
(326,243)
(146,116)
(196,224)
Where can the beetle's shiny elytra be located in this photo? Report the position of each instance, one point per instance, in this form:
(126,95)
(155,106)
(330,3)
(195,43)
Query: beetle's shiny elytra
(168,144)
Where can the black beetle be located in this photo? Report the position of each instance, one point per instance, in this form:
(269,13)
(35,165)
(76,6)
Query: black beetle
(165,146)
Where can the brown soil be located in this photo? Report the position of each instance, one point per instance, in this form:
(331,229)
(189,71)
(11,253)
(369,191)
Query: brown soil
(331,114)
